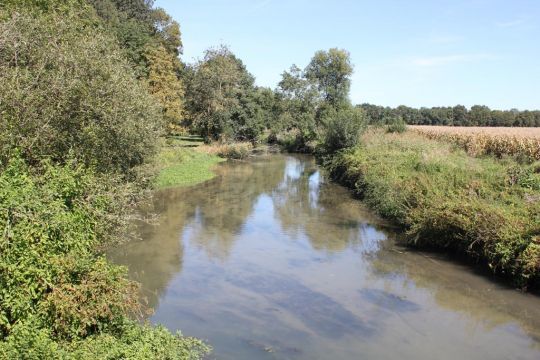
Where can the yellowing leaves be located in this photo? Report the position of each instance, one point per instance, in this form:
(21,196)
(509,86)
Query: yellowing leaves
(164,83)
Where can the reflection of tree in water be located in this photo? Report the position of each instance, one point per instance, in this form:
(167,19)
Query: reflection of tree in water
(216,212)
(225,204)
(457,288)
(155,258)
(332,220)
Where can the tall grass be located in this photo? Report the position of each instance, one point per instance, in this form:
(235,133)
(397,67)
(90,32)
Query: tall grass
(238,150)
(485,208)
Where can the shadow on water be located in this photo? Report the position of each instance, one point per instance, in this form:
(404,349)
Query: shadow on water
(318,312)
(269,260)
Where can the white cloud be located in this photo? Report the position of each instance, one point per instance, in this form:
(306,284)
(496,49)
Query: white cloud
(448,59)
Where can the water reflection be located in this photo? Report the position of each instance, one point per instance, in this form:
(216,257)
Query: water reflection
(271,261)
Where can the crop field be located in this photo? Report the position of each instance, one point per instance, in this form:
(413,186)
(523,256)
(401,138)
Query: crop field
(498,141)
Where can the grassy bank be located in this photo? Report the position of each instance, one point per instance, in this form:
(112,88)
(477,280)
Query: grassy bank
(181,165)
(187,160)
(484,208)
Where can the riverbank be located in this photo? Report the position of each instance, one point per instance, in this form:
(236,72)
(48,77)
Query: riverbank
(271,260)
(483,208)
(187,160)
(181,165)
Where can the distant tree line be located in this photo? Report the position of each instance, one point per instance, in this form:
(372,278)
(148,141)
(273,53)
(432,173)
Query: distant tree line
(459,115)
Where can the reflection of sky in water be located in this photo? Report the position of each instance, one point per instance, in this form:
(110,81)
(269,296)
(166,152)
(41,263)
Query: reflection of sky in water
(314,186)
(276,263)
(293,170)
(370,239)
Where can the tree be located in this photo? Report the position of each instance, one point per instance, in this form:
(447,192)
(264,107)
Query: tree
(168,31)
(331,71)
(140,10)
(459,113)
(164,83)
(68,89)
(343,128)
(479,115)
(215,88)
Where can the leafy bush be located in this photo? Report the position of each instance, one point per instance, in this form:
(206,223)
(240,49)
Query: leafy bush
(75,128)
(397,125)
(485,208)
(53,222)
(60,298)
(67,88)
(342,128)
(134,342)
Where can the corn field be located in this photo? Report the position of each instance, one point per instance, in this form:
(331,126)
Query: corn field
(498,141)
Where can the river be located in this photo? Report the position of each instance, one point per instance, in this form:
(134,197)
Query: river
(270,260)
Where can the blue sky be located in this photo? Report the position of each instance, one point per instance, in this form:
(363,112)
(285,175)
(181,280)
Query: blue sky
(411,52)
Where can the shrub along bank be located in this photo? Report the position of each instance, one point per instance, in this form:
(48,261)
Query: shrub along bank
(60,298)
(77,131)
(485,208)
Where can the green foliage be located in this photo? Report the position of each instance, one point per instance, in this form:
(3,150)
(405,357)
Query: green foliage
(396,125)
(342,128)
(138,27)
(133,342)
(168,31)
(52,223)
(182,166)
(310,98)
(331,71)
(453,116)
(221,98)
(75,126)
(67,88)
(299,98)
(60,298)
(485,208)
(164,83)
(45,6)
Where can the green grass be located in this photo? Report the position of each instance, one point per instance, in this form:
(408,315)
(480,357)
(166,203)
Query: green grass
(485,208)
(181,165)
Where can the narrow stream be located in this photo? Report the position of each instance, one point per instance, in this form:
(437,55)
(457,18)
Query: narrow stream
(272,261)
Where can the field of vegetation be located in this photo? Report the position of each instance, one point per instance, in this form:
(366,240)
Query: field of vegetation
(499,141)
(485,208)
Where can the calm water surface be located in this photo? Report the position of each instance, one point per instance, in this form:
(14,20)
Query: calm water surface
(271,261)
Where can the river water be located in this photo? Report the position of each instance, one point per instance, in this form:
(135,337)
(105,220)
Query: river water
(270,260)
